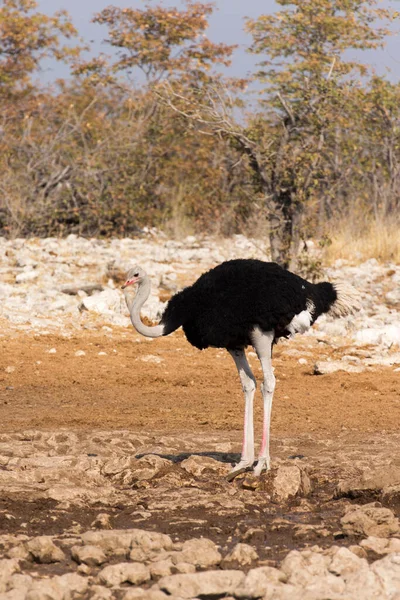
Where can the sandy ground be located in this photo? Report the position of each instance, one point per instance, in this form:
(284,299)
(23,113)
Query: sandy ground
(167,385)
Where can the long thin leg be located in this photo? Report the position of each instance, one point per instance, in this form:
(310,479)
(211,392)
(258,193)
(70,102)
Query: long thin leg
(249,386)
(262,342)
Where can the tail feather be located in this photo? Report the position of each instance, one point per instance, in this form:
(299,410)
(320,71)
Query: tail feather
(347,301)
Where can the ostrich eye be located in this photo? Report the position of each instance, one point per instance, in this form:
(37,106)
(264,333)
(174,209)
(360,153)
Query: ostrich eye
(136,275)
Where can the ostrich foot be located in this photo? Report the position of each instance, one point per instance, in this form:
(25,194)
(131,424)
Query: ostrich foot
(241,467)
(263,464)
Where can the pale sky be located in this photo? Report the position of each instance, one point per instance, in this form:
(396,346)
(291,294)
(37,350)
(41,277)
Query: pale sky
(226,25)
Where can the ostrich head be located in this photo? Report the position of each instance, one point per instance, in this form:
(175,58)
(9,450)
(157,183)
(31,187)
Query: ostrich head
(135,275)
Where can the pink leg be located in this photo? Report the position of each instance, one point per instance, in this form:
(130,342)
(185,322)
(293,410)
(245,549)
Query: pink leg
(262,343)
(248,385)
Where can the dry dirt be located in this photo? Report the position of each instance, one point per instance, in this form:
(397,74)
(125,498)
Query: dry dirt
(186,391)
(190,403)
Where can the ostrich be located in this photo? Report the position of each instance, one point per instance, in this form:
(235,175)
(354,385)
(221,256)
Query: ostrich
(240,303)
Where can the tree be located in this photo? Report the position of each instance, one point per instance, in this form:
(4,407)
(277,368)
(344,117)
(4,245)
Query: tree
(310,83)
(26,38)
(158,41)
(309,95)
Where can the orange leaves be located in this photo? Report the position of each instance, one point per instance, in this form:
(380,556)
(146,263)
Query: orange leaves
(26,37)
(161,40)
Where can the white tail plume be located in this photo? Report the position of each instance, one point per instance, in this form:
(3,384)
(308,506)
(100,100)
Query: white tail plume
(347,301)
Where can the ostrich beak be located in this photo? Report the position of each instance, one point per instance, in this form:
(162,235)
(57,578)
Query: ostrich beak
(128,282)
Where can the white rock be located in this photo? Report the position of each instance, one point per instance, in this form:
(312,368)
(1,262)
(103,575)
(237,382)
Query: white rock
(369,520)
(89,555)
(290,480)
(26,276)
(44,550)
(241,555)
(388,571)
(104,302)
(66,587)
(80,353)
(380,545)
(8,566)
(325,367)
(388,335)
(208,583)
(202,553)
(135,573)
(257,580)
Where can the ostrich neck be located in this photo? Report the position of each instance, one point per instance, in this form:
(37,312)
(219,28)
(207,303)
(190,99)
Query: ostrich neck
(135,303)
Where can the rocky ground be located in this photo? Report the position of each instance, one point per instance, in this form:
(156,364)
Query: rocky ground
(114,450)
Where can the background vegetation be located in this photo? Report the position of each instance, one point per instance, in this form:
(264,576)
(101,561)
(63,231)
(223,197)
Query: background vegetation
(318,153)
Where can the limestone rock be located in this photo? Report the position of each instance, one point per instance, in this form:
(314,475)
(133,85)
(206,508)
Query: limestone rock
(301,567)
(43,550)
(208,583)
(120,543)
(369,520)
(102,521)
(161,568)
(202,553)
(242,555)
(257,580)
(140,594)
(135,573)
(99,592)
(380,545)
(388,571)
(147,467)
(89,555)
(290,480)
(8,566)
(102,303)
(197,465)
(64,587)
(324,367)
(369,480)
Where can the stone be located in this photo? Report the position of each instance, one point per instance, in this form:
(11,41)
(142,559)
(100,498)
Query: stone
(344,562)
(257,580)
(120,542)
(183,567)
(26,276)
(358,551)
(43,550)
(92,556)
(242,555)
(161,568)
(135,573)
(370,480)
(289,481)
(140,594)
(197,465)
(388,571)
(207,583)
(380,545)
(202,553)
(301,567)
(63,587)
(368,520)
(325,367)
(99,592)
(103,302)
(102,521)
(146,468)
(8,566)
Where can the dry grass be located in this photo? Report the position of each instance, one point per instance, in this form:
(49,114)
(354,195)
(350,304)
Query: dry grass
(355,242)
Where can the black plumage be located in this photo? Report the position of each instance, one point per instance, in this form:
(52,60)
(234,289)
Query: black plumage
(224,305)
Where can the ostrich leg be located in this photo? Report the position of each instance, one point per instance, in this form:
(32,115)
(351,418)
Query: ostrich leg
(262,343)
(249,386)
